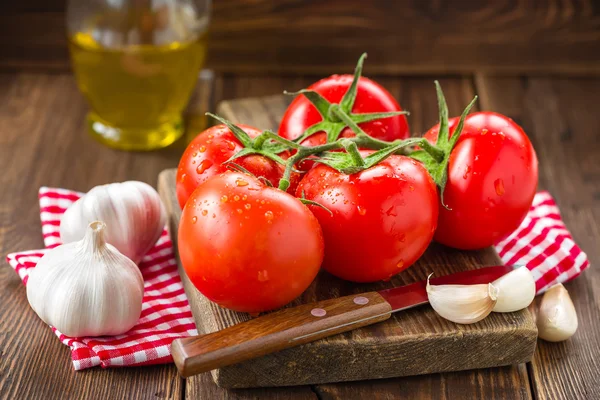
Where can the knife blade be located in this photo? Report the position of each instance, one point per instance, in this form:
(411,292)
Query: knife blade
(294,326)
(415,294)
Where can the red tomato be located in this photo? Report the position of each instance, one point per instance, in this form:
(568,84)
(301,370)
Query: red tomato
(371,97)
(492,178)
(383,217)
(246,246)
(205,155)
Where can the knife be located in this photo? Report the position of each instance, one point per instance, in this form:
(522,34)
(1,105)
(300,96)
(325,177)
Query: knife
(294,326)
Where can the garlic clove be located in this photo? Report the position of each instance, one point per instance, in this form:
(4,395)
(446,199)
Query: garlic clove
(516,290)
(132,210)
(463,304)
(87,288)
(556,316)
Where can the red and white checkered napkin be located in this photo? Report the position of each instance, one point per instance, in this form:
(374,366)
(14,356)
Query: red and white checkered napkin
(542,243)
(165,315)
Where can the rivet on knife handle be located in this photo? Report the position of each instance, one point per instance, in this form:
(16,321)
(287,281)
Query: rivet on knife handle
(277,331)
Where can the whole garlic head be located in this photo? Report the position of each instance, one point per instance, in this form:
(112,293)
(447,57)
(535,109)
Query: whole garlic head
(87,288)
(132,211)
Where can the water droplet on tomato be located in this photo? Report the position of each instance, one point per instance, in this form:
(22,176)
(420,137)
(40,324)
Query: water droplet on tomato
(499,185)
(208,141)
(239,210)
(195,154)
(236,198)
(269,216)
(361,210)
(484,131)
(248,206)
(263,276)
(214,215)
(412,188)
(203,166)
(182,178)
(202,149)
(241,182)
(210,136)
(230,144)
(467,170)
(400,264)
(402,237)
(244,197)
(204,212)
(224,199)
(262,202)
(194,219)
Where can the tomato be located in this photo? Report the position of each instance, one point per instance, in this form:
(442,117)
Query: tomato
(246,246)
(492,179)
(371,97)
(205,155)
(383,218)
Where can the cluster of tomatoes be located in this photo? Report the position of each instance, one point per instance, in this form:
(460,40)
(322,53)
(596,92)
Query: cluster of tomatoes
(342,186)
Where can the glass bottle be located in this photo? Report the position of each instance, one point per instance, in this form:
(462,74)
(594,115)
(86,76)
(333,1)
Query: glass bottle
(136,62)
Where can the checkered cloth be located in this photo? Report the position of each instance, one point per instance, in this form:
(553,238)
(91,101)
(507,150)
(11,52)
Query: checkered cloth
(165,315)
(542,243)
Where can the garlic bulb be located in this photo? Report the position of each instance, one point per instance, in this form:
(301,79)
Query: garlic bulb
(132,211)
(87,288)
(516,290)
(556,316)
(463,304)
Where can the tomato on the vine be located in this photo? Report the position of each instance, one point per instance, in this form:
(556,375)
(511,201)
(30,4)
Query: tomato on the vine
(370,98)
(246,246)
(382,218)
(206,154)
(309,118)
(492,179)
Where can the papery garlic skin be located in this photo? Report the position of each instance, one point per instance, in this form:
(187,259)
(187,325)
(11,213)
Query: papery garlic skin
(132,211)
(463,304)
(556,316)
(516,290)
(87,288)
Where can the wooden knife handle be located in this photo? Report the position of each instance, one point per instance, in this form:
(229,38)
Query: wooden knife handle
(277,331)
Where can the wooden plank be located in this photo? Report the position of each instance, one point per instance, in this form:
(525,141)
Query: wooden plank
(561,119)
(496,383)
(418,96)
(44,142)
(385,350)
(402,37)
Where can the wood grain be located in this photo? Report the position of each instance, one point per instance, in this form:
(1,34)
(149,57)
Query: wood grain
(42,125)
(558,117)
(384,350)
(402,37)
(44,142)
(277,331)
(380,348)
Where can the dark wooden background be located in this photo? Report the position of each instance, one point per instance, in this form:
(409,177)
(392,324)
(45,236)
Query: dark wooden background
(325,36)
(537,61)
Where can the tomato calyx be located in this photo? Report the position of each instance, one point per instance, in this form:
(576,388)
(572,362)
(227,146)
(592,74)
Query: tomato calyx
(331,123)
(305,201)
(436,157)
(267,144)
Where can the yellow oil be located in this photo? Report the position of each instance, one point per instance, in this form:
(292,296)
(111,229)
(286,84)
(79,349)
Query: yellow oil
(136,93)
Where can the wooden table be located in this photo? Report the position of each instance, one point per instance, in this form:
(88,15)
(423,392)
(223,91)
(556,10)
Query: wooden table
(43,142)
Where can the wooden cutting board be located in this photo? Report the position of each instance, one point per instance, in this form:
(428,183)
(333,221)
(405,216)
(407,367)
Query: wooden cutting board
(411,342)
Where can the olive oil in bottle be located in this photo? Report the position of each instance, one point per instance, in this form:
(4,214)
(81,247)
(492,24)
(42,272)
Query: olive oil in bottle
(136,92)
